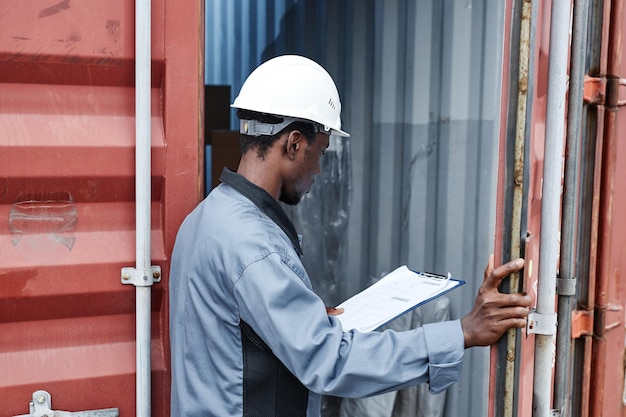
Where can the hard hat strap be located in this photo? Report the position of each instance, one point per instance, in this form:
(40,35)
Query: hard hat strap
(256,128)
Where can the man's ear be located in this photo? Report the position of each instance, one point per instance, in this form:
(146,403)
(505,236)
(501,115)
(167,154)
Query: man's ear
(293,143)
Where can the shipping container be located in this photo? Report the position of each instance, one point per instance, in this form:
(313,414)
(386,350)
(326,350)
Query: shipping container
(67,195)
(430,89)
(561,185)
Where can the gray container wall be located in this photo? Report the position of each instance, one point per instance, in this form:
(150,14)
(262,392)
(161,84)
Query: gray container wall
(420,88)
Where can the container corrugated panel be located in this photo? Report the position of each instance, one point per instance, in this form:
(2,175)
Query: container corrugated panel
(67,189)
(595,385)
(420,84)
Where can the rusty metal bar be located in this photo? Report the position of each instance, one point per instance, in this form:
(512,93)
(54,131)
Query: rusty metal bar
(592,165)
(586,378)
(515,283)
(587,301)
(598,357)
(609,155)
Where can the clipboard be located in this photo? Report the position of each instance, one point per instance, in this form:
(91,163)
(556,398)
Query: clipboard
(395,294)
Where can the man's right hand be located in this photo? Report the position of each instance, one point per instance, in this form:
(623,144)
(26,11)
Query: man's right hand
(494,312)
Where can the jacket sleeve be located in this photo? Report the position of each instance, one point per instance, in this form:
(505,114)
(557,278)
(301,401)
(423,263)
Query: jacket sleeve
(274,298)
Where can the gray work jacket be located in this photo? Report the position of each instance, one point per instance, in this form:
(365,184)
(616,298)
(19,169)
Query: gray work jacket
(237,258)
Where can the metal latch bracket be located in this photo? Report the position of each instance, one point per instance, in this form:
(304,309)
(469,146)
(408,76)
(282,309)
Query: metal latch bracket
(141,278)
(566,286)
(594,90)
(608,91)
(582,323)
(543,324)
(41,406)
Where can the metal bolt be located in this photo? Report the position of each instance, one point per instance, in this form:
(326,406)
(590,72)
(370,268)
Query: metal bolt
(145,277)
(126,276)
(156,274)
(41,399)
(510,355)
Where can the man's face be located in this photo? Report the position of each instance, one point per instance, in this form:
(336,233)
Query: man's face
(306,167)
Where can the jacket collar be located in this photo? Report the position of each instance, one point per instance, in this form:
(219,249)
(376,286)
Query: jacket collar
(265,202)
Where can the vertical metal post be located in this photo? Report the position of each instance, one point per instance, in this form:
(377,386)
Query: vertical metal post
(550,205)
(143,275)
(143,77)
(566,293)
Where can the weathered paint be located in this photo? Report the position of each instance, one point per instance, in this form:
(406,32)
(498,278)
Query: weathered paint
(516,223)
(598,380)
(67,194)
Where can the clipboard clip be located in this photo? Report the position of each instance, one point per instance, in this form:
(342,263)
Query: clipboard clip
(438,278)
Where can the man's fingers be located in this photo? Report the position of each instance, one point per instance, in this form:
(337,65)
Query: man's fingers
(489,268)
(332,311)
(516,312)
(510,300)
(493,277)
(499,321)
(513,322)
(495,312)
(499,328)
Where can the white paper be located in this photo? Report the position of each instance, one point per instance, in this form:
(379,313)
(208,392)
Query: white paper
(396,293)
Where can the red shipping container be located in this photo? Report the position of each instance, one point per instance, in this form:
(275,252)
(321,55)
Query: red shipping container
(67,191)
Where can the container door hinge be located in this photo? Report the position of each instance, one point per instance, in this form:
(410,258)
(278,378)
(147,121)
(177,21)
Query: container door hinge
(140,278)
(41,406)
(607,317)
(544,324)
(594,90)
(582,323)
(609,91)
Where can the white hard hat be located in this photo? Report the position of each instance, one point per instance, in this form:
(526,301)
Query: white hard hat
(295,87)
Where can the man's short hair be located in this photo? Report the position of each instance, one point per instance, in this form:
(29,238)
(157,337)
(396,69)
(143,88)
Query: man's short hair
(264,142)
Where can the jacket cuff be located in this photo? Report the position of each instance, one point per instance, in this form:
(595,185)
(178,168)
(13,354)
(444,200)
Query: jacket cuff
(446,346)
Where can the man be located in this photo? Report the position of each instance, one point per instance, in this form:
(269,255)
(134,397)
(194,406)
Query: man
(249,337)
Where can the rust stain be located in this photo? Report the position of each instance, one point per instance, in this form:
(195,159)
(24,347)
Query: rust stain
(113,29)
(71,39)
(57,8)
(74,37)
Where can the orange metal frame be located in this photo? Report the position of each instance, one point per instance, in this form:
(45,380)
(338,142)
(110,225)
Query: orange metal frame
(598,321)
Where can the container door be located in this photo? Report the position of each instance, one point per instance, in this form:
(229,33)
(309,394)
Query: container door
(595,385)
(606,367)
(67,326)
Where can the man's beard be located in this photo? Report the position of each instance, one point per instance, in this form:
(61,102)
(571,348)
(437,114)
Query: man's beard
(291,198)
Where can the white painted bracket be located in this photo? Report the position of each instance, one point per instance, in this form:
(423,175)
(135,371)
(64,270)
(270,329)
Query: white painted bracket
(140,278)
(41,406)
(544,324)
